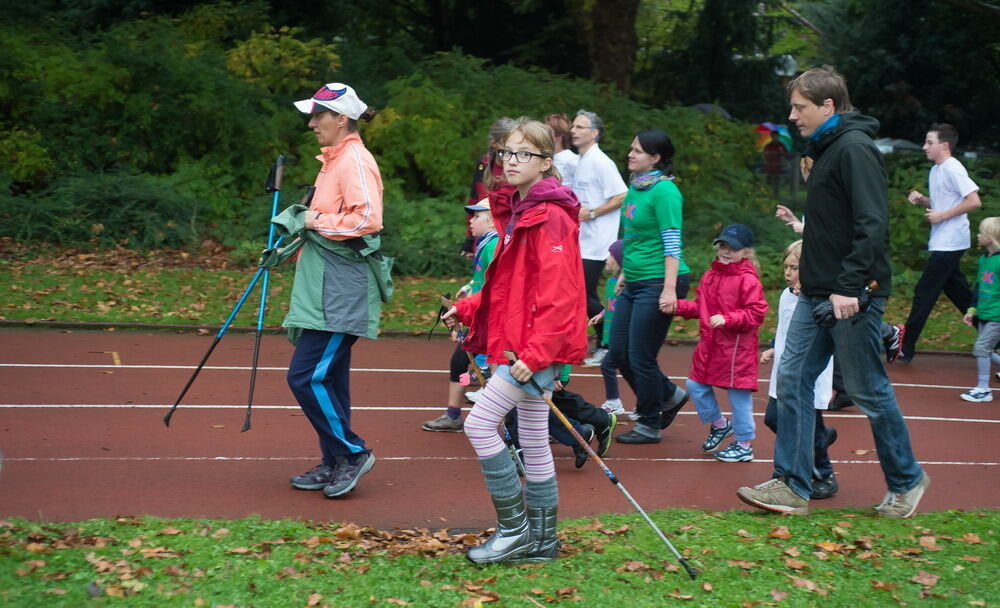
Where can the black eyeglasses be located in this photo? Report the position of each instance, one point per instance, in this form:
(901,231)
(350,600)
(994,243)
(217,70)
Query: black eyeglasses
(522,156)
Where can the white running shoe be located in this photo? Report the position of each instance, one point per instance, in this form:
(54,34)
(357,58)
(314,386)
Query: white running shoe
(613,406)
(595,359)
(977,395)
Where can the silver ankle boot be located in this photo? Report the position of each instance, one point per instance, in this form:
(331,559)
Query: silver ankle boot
(542,521)
(513,536)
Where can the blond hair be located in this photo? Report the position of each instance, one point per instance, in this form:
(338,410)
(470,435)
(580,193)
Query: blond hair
(990,228)
(793,249)
(540,136)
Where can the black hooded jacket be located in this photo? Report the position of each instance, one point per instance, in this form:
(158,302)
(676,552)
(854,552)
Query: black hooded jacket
(846,236)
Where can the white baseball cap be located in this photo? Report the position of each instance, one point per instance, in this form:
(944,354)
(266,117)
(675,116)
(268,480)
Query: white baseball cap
(335,96)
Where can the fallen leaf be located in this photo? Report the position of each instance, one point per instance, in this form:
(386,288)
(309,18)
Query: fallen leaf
(707,587)
(929,543)
(314,599)
(884,586)
(925,578)
(969,558)
(169,531)
(972,539)
(778,595)
(397,602)
(795,564)
(808,585)
(676,594)
(780,532)
(745,534)
(742,564)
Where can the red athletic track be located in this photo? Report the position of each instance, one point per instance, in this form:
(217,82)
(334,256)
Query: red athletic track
(72,463)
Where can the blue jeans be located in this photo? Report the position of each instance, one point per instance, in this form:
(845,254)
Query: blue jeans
(638,330)
(857,344)
(740,400)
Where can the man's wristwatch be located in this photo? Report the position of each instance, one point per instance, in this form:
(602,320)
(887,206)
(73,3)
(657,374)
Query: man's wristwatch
(592,215)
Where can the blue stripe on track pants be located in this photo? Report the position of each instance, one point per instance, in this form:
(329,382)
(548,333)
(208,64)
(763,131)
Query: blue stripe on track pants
(319,378)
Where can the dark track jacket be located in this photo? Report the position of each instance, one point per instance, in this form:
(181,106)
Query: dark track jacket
(846,238)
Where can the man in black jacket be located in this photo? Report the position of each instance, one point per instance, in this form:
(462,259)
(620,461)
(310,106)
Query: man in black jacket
(845,247)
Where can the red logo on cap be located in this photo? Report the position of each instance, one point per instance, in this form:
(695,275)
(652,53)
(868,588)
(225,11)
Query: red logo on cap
(326,94)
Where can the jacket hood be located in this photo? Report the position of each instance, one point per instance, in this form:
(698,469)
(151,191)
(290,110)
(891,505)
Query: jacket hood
(851,121)
(507,204)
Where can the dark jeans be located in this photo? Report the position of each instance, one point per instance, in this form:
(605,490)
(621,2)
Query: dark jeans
(638,330)
(592,271)
(822,467)
(857,343)
(942,272)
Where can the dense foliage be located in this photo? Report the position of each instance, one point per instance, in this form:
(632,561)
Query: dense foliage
(153,130)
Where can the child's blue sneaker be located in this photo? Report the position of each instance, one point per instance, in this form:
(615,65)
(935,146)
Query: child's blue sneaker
(735,453)
(716,436)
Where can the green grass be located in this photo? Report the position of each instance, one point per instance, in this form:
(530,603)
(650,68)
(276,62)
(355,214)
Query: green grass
(133,288)
(830,558)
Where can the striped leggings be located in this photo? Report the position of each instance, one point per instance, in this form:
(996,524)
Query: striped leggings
(498,398)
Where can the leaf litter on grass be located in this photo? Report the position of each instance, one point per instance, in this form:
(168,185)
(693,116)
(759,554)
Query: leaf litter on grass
(831,555)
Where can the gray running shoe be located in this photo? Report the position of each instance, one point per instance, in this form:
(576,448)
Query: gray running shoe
(444,423)
(346,476)
(904,505)
(774,495)
(316,478)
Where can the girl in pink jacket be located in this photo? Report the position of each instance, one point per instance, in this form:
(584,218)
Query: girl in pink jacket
(730,306)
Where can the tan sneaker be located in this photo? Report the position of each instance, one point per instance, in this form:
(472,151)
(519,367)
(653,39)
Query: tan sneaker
(444,423)
(904,505)
(774,495)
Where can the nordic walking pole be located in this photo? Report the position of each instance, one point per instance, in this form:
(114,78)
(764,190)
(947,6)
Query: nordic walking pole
(222,330)
(218,336)
(692,572)
(273,185)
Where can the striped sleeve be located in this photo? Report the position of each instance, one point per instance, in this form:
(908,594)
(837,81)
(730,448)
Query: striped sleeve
(671,238)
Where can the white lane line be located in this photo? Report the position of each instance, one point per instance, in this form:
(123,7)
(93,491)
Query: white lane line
(240,368)
(395,408)
(417,459)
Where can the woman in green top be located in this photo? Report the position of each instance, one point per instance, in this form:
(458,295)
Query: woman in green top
(653,277)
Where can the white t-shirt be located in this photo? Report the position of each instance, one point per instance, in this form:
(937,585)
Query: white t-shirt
(565,162)
(824,382)
(595,181)
(949,184)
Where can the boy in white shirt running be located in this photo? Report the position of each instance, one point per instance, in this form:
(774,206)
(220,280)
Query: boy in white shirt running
(952,196)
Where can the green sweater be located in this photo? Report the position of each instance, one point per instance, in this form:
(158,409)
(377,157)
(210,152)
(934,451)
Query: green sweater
(645,214)
(987,298)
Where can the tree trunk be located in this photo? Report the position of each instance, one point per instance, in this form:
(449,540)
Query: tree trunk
(608,31)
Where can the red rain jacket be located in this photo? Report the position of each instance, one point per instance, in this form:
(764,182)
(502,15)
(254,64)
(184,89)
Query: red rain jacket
(533,301)
(727,356)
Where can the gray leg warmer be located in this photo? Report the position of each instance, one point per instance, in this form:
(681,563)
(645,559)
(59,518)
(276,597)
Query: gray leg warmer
(542,493)
(500,474)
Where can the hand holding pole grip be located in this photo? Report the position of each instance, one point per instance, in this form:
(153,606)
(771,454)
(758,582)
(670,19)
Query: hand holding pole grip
(823,312)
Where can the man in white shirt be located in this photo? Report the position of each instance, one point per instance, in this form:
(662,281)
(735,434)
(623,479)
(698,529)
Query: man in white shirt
(601,190)
(952,196)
